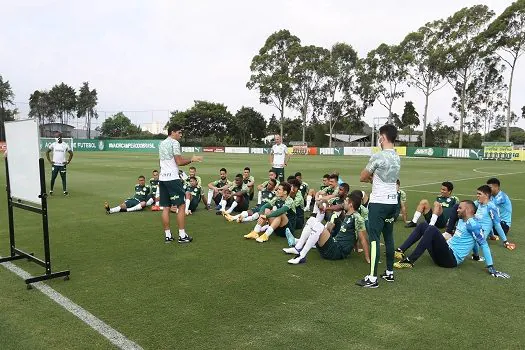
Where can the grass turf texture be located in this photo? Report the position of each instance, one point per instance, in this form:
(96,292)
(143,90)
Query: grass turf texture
(222,291)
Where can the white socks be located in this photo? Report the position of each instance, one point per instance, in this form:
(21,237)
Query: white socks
(257,228)
(305,233)
(319,216)
(259,197)
(135,208)
(417,215)
(308,201)
(114,210)
(269,231)
(222,205)
(210,196)
(233,206)
(433,220)
(167,233)
(150,201)
(254,217)
(187,201)
(182,233)
(315,233)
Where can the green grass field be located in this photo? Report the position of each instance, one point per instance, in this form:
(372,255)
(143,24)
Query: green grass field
(227,293)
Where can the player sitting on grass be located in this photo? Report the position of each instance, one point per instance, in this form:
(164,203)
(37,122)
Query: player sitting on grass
(503,204)
(313,194)
(335,205)
(323,196)
(249,181)
(193,196)
(453,252)
(235,198)
(331,248)
(267,195)
(275,214)
(304,188)
(135,203)
(298,201)
(488,216)
(154,191)
(216,188)
(439,213)
(192,172)
(272,175)
(402,202)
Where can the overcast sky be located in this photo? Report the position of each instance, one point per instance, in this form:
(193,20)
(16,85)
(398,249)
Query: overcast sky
(157,56)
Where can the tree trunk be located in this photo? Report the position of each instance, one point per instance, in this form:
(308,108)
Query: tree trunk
(331,126)
(462,114)
(425,113)
(282,119)
(304,121)
(507,130)
(88,122)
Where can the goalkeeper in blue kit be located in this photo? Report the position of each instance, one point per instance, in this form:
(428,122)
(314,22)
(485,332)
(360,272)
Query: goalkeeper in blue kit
(453,252)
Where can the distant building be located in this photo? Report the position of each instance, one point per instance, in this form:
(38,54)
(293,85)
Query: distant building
(154,127)
(349,140)
(408,138)
(49,129)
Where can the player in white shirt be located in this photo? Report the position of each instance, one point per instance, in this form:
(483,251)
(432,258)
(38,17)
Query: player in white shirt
(59,162)
(171,186)
(279,157)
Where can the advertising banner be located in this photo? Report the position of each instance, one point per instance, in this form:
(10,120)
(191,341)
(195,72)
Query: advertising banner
(466,153)
(86,145)
(241,150)
(313,151)
(334,151)
(257,150)
(400,150)
(213,149)
(429,152)
(357,151)
(132,145)
(498,151)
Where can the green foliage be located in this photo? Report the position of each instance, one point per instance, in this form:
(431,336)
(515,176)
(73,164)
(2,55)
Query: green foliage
(41,107)
(87,101)
(443,134)
(386,73)
(250,126)
(517,135)
(464,49)
(119,126)
(6,99)
(272,70)
(273,125)
(63,99)
(204,119)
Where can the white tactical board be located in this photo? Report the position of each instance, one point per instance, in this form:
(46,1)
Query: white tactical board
(23,154)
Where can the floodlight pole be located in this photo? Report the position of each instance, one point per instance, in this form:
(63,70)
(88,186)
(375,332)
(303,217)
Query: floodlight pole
(374,119)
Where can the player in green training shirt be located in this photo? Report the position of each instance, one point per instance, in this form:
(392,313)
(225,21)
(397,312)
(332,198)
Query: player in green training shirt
(193,172)
(215,188)
(193,196)
(304,188)
(154,194)
(331,248)
(439,213)
(382,171)
(274,213)
(323,196)
(312,194)
(267,194)
(235,197)
(272,175)
(298,221)
(402,196)
(249,181)
(134,203)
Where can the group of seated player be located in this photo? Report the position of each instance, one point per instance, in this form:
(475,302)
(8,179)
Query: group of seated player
(339,218)
(469,224)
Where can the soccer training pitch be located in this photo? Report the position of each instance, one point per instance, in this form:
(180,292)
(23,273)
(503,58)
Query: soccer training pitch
(224,292)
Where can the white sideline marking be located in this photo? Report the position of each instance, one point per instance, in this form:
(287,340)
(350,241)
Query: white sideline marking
(115,337)
(461,194)
(463,179)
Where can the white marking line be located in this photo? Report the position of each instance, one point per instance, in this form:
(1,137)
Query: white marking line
(464,179)
(472,195)
(115,337)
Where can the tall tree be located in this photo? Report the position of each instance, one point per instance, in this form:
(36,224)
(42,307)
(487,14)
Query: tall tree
(272,71)
(204,119)
(340,87)
(384,66)
(63,98)
(40,107)
(273,125)
(506,35)
(464,47)
(6,99)
(443,134)
(421,59)
(118,126)
(410,118)
(250,125)
(86,103)
(309,74)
